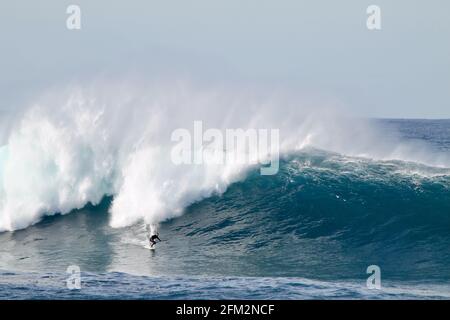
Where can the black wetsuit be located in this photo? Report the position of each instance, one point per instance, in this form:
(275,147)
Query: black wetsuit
(153,239)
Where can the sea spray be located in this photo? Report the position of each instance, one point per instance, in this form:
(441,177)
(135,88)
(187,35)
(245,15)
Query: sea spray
(75,145)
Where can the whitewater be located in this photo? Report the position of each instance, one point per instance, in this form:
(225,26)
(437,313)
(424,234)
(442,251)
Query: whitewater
(76,145)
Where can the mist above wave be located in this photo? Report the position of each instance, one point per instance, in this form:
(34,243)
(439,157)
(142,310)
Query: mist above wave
(74,145)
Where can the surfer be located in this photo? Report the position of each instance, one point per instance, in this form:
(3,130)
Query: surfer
(153,239)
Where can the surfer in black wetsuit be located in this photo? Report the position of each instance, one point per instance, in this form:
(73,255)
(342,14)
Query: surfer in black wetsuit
(153,239)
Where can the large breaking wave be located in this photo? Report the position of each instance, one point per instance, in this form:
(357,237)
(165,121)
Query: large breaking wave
(75,145)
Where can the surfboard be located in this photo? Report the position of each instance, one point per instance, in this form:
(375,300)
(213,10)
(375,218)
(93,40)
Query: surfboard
(150,248)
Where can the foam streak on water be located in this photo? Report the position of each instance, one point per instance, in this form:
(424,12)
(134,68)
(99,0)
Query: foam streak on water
(98,286)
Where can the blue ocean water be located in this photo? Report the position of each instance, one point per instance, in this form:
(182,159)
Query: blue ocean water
(310,231)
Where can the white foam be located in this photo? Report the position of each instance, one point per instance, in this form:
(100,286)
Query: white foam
(78,144)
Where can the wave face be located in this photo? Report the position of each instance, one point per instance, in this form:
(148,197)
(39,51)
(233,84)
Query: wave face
(328,216)
(74,146)
(323,217)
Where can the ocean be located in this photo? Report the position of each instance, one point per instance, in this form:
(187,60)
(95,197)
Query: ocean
(308,232)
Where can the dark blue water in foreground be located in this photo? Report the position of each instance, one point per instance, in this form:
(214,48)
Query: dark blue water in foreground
(310,231)
(116,285)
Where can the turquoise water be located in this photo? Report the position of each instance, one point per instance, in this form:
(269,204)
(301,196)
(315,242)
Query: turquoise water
(308,232)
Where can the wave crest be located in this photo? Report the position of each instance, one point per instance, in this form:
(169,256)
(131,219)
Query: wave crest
(75,145)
